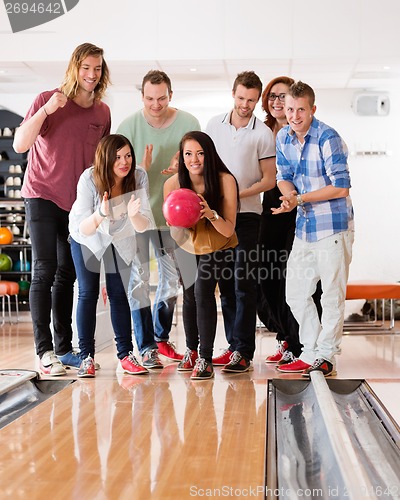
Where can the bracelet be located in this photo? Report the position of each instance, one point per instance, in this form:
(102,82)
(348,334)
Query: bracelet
(101,213)
(214,217)
(44,109)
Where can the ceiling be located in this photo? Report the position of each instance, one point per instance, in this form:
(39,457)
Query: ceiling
(210,75)
(351,45)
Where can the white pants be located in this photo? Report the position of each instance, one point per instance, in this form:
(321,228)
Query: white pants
(327,260)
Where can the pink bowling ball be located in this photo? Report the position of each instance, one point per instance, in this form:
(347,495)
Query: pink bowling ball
(181,208)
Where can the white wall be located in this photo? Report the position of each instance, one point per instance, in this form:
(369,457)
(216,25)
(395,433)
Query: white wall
(375,181)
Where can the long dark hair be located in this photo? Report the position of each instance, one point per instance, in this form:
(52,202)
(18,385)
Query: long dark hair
(105,157)
(213,167)
(271,120)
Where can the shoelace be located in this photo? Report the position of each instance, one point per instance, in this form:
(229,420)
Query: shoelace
(187,356)
(172,345)
(132,359)
(318,362)
(287,356)
(53,359)
(87,362)
(235,357)
(280,347)
(153,355)
(200,365)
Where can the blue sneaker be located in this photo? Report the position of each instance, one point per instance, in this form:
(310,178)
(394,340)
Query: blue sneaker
(73,359)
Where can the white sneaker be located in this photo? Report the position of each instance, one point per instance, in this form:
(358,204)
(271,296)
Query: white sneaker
(50,365)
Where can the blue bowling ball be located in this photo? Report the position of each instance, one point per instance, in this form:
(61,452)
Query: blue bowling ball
(21,265)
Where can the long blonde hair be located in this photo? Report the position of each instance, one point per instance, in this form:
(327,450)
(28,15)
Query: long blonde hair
(70,85)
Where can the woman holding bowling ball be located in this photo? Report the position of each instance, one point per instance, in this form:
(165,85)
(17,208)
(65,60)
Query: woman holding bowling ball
(111,207)
(212,240)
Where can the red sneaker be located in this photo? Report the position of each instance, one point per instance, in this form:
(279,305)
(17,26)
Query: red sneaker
(188,361)
(87,368)
(130,364)
(296,366)
(223,359)
(167,349)
(275,358)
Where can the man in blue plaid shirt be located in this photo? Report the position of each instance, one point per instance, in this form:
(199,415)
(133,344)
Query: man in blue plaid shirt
(313,176)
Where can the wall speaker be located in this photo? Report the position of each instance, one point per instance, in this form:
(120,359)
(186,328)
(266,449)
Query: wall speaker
(371,104)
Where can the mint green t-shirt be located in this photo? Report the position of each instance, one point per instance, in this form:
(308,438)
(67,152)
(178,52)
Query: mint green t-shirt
(165,144)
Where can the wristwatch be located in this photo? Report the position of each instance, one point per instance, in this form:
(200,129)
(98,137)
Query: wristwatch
(300,200)
(214,217)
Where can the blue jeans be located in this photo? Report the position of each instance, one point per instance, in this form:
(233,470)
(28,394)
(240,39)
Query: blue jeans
(88,273)
(152,327)
(239,288)
(53,276)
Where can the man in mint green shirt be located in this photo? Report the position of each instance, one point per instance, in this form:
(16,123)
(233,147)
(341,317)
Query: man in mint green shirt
(156,130)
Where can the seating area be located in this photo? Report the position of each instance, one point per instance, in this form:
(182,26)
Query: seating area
(7,290)
(373,290)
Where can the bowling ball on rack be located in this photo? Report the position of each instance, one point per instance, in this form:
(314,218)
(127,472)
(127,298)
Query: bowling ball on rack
(6,236)
(5,263)
(22,265)
(23,288)
(181,208)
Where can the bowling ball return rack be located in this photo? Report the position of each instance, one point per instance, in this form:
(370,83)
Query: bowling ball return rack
(330,439)
(22,390)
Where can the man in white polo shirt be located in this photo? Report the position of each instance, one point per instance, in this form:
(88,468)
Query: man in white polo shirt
(247,147)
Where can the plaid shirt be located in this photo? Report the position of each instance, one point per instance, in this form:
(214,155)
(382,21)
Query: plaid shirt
(321,161)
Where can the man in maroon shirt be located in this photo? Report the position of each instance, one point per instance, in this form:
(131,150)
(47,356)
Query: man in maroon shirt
(62,129)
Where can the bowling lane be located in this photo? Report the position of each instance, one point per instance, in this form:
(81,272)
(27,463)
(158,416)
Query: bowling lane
(161,436)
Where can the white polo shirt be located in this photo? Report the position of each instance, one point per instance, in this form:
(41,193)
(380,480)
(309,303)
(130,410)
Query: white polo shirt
(241,150)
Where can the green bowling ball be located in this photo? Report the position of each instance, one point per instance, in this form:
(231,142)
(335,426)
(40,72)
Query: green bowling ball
(5,263)
(23,288)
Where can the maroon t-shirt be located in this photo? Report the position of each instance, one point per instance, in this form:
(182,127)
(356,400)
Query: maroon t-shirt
(63,149)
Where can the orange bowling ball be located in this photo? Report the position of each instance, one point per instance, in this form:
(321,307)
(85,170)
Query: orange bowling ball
(6,236)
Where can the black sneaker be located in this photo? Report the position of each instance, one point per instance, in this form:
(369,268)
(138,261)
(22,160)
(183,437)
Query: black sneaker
(320,365)
(151,361)
(202,370)
(238,364)
(287,357)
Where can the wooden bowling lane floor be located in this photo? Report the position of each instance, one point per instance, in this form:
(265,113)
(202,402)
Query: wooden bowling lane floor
(160,436)
(163,435)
